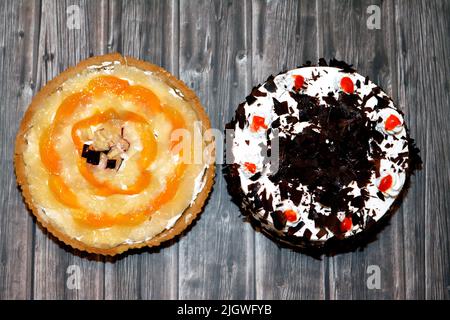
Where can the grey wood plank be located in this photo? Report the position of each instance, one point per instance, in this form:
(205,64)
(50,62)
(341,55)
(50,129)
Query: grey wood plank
(423,48)
(17,47)
(284,35)
(344,34)
(216,256)
(146,30)
(60,48)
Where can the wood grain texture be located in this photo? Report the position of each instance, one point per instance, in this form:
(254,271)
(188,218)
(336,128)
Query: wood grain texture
(423,84)
(17,47)
(214,61)
(221,48)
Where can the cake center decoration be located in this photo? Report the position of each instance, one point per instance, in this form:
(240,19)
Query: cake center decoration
(331,152)
(105,146)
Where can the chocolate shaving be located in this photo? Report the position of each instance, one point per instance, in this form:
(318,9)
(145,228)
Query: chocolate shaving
(323,62)
(85,151)
(294,229)
(111,163)
(315,76)
(240,115)
(296,195)
(276,123)
(250,99)
(322,232)
(357,220)
(307,234)
(280,108)
(284,189)
(383,102)
(93,157)
(270,84)
(358,202)
(257,93)
(380,195)
(291,120)
(267,201)
(342,65)
(279,219)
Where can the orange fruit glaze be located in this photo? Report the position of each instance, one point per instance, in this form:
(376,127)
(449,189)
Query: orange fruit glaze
(385,183)
(258,123)
(392,122)
(290,215)
(50,158)
(62,192)
(347,85)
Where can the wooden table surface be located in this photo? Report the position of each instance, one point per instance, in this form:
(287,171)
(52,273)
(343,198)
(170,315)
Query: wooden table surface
(221,49)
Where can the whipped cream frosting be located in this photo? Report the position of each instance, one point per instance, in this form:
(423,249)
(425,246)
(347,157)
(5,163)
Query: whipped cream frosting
(278,107)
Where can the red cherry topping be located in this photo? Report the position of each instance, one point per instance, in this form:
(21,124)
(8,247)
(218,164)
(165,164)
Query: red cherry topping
(258,122)
(290,215)
(346,224)
(347,85)
(251,167)
(298,83)
(385,183)
(391,122)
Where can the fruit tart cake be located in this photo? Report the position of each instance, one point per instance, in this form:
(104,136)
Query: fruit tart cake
(317,153)
(105,155)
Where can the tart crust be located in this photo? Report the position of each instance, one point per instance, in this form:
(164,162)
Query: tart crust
(188,215)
